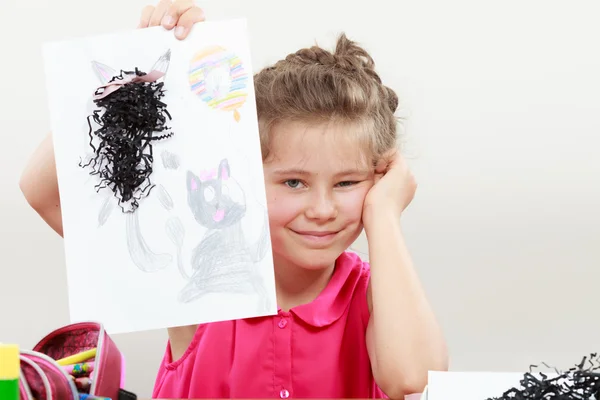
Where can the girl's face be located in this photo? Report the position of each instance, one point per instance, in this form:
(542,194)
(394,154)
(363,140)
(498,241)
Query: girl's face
(316,181)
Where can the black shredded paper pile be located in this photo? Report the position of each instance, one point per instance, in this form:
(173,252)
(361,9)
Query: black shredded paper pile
(582,382)
(130,119)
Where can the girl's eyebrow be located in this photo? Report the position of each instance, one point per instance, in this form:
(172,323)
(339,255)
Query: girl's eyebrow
(291,171)
(301,172)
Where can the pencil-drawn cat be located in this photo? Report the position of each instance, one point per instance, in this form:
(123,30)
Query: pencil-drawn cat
(223,261)
(140,252)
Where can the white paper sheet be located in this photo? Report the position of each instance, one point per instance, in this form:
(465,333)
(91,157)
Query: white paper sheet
(129,270)
(472,385)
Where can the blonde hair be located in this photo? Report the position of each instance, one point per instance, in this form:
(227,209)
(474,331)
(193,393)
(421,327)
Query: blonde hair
(316,85)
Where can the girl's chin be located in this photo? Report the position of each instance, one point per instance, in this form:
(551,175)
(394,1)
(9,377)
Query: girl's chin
(313,260)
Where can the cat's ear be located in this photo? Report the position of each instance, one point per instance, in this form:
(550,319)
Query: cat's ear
(224,171)
(193,182)
(103,72)
(162,64)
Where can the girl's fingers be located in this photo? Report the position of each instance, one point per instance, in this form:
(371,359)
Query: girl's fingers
(181,15)
(175,11)
(392,160)
(187,21)
(383,164)
(159,12)
(145,17)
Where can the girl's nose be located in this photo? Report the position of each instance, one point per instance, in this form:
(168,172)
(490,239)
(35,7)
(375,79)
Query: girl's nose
(322,207)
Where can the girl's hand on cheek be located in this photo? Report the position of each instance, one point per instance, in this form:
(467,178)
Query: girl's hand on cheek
(393,191)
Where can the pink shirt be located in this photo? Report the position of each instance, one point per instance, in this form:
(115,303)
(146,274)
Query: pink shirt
(314,350)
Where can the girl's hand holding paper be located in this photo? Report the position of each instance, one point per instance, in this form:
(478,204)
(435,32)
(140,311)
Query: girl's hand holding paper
(181,15)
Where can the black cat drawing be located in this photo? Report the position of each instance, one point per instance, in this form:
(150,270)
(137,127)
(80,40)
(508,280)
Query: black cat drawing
(222,262)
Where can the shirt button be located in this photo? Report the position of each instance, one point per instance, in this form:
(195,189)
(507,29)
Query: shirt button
(282,323)
(284,394)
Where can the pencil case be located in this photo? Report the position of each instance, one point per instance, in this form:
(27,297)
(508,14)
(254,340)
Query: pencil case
(42,378)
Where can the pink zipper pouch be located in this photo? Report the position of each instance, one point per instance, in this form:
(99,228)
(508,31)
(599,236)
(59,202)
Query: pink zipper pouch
(43,379)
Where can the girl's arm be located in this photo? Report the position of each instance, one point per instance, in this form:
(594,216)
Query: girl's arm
(403,337)
(39,185)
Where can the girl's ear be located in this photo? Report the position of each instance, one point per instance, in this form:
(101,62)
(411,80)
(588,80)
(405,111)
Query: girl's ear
(224,171)
(162,64)
(193,182)
(103,72)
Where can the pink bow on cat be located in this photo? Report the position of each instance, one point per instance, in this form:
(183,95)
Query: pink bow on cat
(110,87)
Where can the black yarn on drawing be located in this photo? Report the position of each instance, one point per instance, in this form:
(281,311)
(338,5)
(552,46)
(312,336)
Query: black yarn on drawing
(130,119)
(581,382)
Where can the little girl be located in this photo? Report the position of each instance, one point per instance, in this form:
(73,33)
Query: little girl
(345,328)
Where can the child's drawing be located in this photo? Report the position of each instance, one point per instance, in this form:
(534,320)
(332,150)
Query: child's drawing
(160,177)
(123,149)
(223,261)
(218,77)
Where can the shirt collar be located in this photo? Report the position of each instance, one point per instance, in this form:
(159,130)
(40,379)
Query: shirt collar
(335,299)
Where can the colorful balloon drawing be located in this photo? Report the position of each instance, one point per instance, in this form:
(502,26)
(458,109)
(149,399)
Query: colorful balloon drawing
(217,76)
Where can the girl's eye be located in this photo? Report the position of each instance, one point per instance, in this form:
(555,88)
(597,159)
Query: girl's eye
(292,183)
(347,183)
